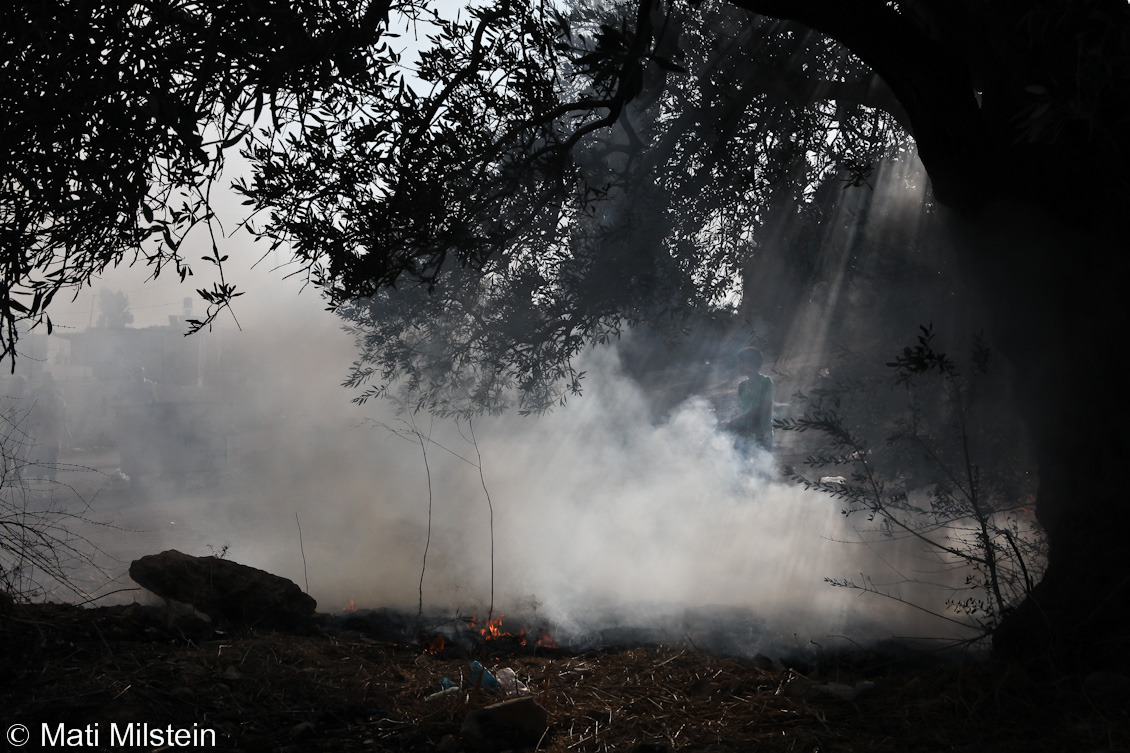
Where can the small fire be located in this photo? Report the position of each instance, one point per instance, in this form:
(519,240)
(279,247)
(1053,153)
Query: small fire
(1025,507)
(546,641)
(437,645)
(493,630)
(350,607)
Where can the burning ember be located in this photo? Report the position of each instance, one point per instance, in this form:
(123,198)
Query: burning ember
(350,607)
(493,630)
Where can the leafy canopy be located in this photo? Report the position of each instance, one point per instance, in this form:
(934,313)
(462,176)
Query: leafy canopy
(552,177)
(534,180)
(115,118)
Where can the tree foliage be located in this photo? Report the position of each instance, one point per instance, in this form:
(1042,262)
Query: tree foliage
(931,453)
(549,179)
(540,178)
(116,116)
(535,179)
(114,309)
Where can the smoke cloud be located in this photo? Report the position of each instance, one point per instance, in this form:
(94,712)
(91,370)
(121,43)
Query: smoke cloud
(605,517)
(607,514)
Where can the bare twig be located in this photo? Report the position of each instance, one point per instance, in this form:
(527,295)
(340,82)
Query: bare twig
(490,509)
(428,538)
(303,551)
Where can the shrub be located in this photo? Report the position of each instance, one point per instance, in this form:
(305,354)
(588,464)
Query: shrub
(930,452)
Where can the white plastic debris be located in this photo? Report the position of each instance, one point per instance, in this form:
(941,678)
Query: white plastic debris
(445,693)
(510,684)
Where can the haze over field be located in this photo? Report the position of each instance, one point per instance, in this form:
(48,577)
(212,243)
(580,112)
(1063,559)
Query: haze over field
(603,513)
(624,506)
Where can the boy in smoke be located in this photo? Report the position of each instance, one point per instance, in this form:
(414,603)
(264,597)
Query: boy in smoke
(14,439)
(754,422)
(136,424)
(48,424)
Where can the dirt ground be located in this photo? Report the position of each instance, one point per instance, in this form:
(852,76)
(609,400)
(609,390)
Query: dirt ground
(344,686)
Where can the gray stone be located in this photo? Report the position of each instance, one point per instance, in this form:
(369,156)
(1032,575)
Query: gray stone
(514,724)
(186,619)
(226,591)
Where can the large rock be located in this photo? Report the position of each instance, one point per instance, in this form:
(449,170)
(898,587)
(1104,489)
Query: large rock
(226,591)
(509,725)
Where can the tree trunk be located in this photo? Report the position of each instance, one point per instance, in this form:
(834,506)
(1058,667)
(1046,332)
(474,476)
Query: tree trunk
(1058,314)
(1048,134)
(1078,614)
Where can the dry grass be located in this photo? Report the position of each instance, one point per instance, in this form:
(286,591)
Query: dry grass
(344,692)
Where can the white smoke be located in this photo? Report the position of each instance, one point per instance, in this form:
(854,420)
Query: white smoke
(601,513)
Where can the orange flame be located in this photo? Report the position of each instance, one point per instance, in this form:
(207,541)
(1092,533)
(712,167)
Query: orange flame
(350,607)
(1025,507)
(493,630)
(546,641)
(437,645)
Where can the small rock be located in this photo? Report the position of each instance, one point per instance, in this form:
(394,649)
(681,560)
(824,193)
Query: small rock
(799,686)
(845,692)
(302,730)
(1107,689)
(763,662)
(182,693)
(447,744)
(517,723)
(184,618)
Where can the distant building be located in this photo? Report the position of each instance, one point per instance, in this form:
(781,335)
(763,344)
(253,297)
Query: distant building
(109,353)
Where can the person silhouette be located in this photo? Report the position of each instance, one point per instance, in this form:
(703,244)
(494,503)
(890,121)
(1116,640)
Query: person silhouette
(48,415)
(754,422)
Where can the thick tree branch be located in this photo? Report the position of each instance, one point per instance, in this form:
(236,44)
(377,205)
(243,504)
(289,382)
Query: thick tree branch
(791,87)
(931,83)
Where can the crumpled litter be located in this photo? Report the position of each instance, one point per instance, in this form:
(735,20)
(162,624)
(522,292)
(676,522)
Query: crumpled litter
(505,680)
(510,684)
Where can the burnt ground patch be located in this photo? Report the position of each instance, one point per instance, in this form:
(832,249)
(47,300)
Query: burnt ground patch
(342,686)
